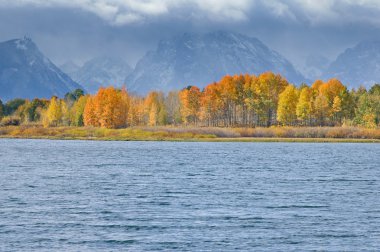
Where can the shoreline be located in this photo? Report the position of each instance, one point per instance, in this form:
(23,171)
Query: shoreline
(210,140)
(195,134)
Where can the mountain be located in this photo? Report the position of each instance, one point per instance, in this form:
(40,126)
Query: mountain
(357,66)
(195,59)
(69,68)
(100,71)
(315,66)
(26,73)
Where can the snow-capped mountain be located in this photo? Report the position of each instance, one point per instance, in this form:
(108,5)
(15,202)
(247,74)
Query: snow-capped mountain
(195,59)
(357,66)
(100,71)
(26,73)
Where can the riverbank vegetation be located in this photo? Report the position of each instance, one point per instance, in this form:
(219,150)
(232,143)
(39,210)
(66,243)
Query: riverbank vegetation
(238,106)
(171,133)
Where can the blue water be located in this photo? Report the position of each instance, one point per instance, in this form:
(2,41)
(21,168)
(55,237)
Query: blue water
(151,196)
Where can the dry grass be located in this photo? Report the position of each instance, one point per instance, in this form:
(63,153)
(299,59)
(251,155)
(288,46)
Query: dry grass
(27,131)
(217,132)
(310,134)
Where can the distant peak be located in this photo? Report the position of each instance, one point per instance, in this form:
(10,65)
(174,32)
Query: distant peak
(24,43)
(27,39)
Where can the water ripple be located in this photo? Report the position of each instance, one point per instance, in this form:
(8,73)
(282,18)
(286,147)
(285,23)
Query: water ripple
(152,196)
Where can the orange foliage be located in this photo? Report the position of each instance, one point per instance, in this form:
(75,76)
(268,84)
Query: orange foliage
(108,108)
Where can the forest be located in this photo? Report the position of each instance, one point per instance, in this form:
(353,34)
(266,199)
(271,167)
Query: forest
(251,101)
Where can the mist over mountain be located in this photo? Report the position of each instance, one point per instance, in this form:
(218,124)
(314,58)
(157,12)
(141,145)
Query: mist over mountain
(188,59)
(357,66)
(99,71)
(315,66)
(26,73)
(194,59)
(69,68)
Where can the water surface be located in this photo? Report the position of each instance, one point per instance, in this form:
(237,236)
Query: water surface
(150,196)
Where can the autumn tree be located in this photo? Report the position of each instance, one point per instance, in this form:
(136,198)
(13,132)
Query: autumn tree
(252,101)
(268,88)
(136,111)
(305,105)
(211,105)
(190,104)
(172,107)
(331,89)
(53,115)
(77,111)
(155,109)
(239,100)
(287,105)
(316,85)
(90,117)
(321,109)
(337,108)
(108,108)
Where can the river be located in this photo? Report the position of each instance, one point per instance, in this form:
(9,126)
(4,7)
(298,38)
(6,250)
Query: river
(179,196)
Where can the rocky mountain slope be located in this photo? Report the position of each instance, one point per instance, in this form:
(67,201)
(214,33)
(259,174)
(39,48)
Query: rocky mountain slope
(26,73)
(194,59)
(100,71)
(357,66)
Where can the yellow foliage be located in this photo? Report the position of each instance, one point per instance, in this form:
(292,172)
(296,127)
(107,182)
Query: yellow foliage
(304,105)
(287,105)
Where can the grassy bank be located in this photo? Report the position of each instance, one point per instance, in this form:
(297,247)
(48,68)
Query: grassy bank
(275,134)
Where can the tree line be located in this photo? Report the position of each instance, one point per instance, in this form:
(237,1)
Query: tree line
(235,101)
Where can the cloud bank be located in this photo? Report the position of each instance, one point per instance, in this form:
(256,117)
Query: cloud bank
(126,12)
(81,29)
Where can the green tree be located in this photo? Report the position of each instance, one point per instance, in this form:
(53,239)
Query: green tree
(12,105)
(72,97)
(367,112)
(1,110)
(31,111)
(77,110)
(375,90)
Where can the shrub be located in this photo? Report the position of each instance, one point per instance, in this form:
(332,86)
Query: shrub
(10,121)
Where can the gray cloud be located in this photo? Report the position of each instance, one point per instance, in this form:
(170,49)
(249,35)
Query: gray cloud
(81,29)
(124,12)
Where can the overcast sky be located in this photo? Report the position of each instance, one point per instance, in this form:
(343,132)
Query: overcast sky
(81,29)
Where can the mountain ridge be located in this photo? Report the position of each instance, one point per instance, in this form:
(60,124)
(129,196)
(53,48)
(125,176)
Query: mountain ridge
(26,73)
(200,59)
(99,71)
(357,65)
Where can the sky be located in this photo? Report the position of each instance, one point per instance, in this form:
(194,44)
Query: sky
(79,30)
